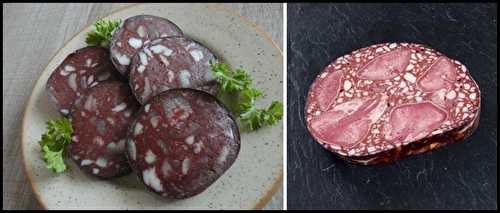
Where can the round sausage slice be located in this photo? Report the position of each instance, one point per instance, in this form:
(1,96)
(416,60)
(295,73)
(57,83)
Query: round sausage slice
(135,32)
(387,101)
(169,63)
(80,70)
(181,142)
(100,119)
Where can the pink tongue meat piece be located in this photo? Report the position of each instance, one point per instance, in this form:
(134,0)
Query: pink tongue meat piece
(386,66)
(413,121)
(327,90)
(439,75)
(349,126)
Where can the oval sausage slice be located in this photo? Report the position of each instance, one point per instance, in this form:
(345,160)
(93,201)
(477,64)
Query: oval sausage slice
(181,142)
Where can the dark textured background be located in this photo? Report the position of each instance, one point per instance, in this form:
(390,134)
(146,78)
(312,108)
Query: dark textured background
(458,176)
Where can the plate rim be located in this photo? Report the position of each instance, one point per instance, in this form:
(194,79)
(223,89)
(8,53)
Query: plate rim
(261,201)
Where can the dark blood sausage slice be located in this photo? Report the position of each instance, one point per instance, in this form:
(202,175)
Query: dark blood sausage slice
(100,119)
(169,63)
(80,70)
(135,32)
(387,101)
(181,142)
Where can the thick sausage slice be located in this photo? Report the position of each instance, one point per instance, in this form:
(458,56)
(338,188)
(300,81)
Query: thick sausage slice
(80,70)
(169,63)
(181,142)
(135,32)
(100,119)
(387,101)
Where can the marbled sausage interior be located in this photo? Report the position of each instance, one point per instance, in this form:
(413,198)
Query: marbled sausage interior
(392,96)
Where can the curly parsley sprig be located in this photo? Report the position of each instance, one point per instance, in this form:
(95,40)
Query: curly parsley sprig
(53,142)
(239,83)
(102,34)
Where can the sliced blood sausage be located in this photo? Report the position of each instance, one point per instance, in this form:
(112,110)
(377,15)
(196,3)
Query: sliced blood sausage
(181,142)
(169,63)
(100,119)
(135,32)
(80,70)
(387,101)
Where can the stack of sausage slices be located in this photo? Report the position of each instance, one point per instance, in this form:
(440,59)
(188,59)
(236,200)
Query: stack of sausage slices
(146,105)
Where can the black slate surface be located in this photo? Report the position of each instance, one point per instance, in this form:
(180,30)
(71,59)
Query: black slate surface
(458,176)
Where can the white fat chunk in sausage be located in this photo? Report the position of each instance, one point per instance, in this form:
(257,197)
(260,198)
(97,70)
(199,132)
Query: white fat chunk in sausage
(150,157)
(93,84)
(83,81)
(119,107)
(90,103)
(197,148)
(69,68)
(111,121)
(410,77)
(116,147)
(164,60)
(184,77)
(177,104)
(166,168)
(64,111)
(148,52)
(347,85)
(88,62)
(189,140)
(101,162)
(122,59)
(190,45)
(154,121)
(144,58)
(127,113)
(131,149)
(185,166)
(90,79)
(135,43)
(141,31)
(451,94)
(63,72)
(151,179)
(95,171)
(472,96)
(111,147)
(196,54)
(138,128)
(86,162)
(72,81)
(141,68)
(98,140)
(223,155)
(157,49)
(170,76)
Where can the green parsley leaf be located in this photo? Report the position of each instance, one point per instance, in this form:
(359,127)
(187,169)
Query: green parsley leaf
(102,34)
(238,83)
(53,142)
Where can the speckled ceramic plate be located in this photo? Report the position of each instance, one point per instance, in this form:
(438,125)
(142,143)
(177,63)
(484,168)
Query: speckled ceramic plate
(249,183)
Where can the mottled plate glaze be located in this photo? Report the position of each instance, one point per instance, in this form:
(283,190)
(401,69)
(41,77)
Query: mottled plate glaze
(249,183)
